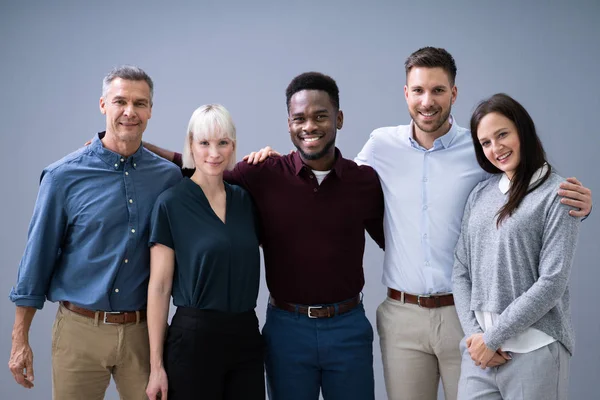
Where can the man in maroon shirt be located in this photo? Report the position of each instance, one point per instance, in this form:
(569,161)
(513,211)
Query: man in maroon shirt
(314,207)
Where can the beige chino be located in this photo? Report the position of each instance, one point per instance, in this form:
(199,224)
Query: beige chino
(418,346)
(86,353)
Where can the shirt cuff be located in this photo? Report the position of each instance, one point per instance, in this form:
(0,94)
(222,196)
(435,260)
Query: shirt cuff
(27,300)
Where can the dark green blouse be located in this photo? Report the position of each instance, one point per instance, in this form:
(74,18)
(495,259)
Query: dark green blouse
(217,265)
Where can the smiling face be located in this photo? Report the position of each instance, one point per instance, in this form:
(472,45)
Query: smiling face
(499,138)
(212,156)
(313,122)
(128,106)
(429,94)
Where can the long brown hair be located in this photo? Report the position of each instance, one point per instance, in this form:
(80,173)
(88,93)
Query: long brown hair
(532,155)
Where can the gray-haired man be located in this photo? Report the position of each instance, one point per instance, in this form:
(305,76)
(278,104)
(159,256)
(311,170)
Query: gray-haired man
(87,249)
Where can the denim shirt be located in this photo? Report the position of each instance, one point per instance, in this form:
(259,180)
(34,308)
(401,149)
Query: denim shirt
(88,237)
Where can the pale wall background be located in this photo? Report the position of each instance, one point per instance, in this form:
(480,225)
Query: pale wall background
(53,55)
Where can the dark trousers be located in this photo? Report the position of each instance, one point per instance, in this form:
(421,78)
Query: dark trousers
(305,356)
(213,355)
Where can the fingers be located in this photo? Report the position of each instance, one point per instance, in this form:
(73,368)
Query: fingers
(505,355)
(574,181)
(29,370)
(469,341)
(249,158)
(20,377)
(151,393)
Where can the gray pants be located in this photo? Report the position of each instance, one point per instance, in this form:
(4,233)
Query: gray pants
(542,374)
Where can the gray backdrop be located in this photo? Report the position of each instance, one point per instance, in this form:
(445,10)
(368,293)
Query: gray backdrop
(53,55)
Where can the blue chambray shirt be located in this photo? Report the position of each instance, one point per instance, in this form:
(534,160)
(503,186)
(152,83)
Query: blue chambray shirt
(88,237)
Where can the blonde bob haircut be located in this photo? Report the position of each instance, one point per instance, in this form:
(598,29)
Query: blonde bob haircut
(208,122)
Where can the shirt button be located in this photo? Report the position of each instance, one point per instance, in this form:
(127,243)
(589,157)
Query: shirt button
(133,231)
(311,176)
(122,159)
(134,164)
(116,290)
(315,189)
(424,236)
(424,179)
(126,173)
(116,165)
(427,263)
(126,261)
(425,207)
(130,200)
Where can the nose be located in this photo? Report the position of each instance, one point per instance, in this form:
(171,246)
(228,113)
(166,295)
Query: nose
(428,100)
(213,151)
(309,125)
(128,110)
(496,147)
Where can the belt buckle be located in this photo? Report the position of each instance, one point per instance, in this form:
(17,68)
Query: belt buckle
(419,298)
(313,307)
(106,313)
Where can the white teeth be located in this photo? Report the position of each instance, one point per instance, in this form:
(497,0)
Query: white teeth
(428,114)
(311,139)
(502,157)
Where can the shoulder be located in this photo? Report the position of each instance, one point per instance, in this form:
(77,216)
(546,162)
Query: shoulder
(159,162)
(239,194)
(485,186)
(173,195)
(358,173)
(389,132)
(62,168)
(270,165)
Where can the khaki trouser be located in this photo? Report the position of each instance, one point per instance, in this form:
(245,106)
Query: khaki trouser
(85,353)
(419,345)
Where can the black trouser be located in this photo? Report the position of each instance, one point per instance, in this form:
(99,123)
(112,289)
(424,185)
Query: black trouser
(213,355)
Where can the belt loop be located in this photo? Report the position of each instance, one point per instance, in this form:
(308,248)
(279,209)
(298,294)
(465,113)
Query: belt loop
(402,297)
(137,317)
(96,317)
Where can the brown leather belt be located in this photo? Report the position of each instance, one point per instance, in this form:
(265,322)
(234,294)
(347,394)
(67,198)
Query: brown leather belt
(108,317)
(426,301)
(325,311)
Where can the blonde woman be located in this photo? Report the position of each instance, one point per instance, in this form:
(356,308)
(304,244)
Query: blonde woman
(204,251)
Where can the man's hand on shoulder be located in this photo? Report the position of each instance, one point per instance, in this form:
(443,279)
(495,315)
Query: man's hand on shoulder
(261,155)
(577,196)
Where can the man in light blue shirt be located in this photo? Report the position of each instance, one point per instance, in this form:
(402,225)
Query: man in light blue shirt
(87,248)
(427,170)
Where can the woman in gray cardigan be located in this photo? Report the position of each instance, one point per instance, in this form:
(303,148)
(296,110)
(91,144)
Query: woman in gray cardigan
(512,264)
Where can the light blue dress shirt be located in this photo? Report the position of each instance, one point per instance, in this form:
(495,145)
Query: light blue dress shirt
(88,237)
(425,192)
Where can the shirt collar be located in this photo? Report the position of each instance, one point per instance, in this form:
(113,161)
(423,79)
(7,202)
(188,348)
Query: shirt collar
(338,165)
(504,183)
(442,142)
(113,159)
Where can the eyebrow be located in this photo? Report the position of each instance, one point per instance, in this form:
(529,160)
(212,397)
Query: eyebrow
(140,100)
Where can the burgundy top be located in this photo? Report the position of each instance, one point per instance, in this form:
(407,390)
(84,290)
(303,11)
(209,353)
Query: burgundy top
(312,235)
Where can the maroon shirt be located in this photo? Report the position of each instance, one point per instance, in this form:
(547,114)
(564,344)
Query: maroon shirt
(313,236)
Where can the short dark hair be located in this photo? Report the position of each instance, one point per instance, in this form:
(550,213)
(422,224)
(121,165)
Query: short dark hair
(532,154)
(432,57)
(313,81)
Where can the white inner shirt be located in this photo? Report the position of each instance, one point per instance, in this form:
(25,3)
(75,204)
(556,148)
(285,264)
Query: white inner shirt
(320,175)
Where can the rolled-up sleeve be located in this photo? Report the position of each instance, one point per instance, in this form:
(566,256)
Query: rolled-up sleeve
(46,232)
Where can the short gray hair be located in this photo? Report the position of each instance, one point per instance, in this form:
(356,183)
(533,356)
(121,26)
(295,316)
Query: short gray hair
(210,121)
(130,73)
